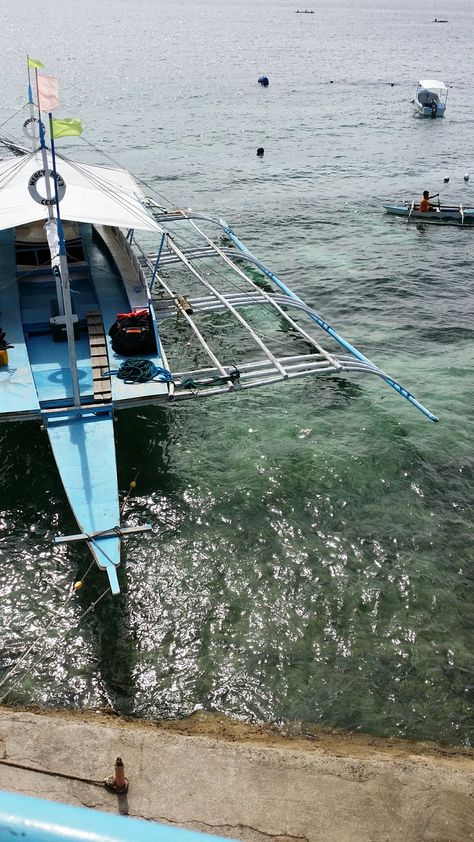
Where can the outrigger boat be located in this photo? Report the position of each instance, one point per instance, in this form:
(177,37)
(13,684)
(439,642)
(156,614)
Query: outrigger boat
(441,214)
(74,279)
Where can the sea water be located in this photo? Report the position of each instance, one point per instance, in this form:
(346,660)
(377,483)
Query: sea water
(312,551)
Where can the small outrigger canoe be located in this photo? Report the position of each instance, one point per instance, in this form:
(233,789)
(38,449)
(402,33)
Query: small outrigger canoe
(448,214)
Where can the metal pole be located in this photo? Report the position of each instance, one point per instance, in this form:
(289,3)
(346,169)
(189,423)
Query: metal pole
(330,330)
(49,195)
(155,270)
(66,291)
(31,104)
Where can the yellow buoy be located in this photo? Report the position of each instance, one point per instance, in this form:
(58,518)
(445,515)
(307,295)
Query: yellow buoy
(133,484)
(78,585)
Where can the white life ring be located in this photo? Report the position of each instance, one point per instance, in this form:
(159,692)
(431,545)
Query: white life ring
(36,195)
(30,129)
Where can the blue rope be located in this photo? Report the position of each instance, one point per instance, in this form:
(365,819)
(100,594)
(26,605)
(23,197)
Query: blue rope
(139,370)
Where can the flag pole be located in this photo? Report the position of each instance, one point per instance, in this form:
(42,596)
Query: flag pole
(47,180)
(64,275)
(31,103)
(41,127)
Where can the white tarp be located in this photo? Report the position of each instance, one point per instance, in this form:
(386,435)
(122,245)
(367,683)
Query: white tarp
(432,84)
(101,195)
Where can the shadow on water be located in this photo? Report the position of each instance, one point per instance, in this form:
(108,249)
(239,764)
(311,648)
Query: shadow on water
(141,442)
(88,654)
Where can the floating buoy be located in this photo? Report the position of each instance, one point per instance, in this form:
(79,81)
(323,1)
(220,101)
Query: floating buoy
(466,177)
(446,180)
(263,80)
(78,585)
(260,152)
(133,484)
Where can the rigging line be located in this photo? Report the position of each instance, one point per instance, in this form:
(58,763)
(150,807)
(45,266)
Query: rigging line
(134,481)
(118,164)
(105,186)
(111,190)
(10,173)
(14,115)
(31,647)
(9,140)
(14,281)
(41,657)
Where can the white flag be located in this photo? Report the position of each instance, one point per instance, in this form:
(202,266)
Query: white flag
(48,93)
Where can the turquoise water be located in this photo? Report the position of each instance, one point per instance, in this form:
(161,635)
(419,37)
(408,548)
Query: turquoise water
(312,554)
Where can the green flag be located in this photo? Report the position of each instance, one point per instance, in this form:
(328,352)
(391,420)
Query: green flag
(67,127)
(33,62)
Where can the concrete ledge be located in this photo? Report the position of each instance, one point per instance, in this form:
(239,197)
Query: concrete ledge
(251,783)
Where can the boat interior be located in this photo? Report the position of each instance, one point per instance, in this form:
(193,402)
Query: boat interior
(104,281)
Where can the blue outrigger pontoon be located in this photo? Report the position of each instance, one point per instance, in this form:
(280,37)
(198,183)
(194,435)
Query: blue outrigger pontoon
(70,265)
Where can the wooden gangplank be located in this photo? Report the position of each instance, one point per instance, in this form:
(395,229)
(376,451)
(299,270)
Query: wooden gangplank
(99,358)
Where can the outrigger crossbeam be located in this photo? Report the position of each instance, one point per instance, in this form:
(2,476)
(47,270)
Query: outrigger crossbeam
(117,531)
(255,373)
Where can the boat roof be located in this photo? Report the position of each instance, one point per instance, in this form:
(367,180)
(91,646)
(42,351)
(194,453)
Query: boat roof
(99,195)
(432,84)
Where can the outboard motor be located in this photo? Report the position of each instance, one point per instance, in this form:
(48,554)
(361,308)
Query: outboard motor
(434,109)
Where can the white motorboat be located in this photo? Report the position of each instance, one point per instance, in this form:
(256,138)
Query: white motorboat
(430,98)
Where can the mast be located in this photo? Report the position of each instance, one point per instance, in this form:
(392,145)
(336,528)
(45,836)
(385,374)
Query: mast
(64,277)
(57,246)
(49,196)
(31,105)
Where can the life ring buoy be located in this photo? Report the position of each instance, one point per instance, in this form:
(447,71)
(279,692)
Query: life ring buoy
(33,187)
(30,129)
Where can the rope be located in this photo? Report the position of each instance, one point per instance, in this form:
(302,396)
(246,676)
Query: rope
(45,652)
(13,115)
(140,370)
(190,383)
(90,781)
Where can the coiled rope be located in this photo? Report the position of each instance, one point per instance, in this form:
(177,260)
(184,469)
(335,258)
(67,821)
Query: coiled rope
(140,370)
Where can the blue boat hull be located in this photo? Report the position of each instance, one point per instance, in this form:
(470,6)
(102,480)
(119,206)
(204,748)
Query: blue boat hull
(84,451)
(447,215)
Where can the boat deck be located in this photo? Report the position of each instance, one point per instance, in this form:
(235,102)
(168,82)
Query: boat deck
(19,399)
(51,370)
(113,299)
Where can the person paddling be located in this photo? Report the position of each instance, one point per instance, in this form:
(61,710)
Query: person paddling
(425,201)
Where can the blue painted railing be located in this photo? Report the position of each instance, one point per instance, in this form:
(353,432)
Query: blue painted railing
(37,820)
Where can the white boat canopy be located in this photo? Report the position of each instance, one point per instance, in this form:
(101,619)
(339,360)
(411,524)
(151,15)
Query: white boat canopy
(432,84)
(101,195)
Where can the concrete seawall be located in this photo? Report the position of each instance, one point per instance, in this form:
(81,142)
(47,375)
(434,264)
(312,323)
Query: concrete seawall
(247,782)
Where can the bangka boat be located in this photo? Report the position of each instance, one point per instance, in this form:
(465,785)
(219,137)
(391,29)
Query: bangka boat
(430,98)
(74,279)
(447,214)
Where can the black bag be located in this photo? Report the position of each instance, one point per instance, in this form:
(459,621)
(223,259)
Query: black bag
(133,335)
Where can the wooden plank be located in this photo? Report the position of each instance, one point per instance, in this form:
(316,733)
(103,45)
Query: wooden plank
(99,358)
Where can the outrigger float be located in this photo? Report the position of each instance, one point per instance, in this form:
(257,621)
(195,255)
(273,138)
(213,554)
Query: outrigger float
(439,214)
(74,280)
